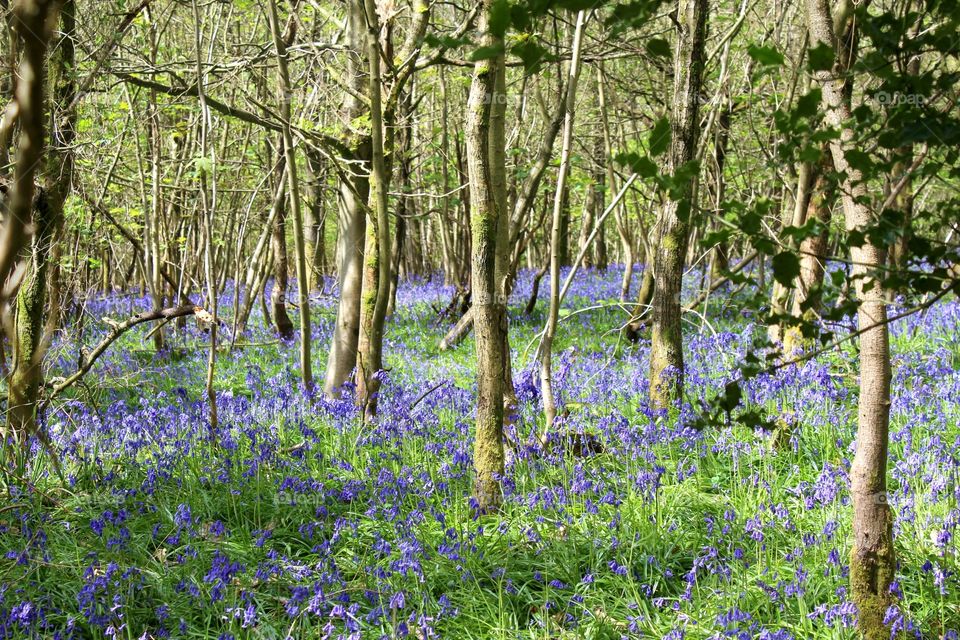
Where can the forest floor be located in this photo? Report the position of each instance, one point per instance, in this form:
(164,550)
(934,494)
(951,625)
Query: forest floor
(303,522)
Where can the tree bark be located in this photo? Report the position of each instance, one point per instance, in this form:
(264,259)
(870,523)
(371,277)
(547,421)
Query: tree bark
(808,291)
(666,352)
(872,559)
(489,308)
(558,247)
(623,228)
(285,91)
(375,290)
(278,241)
(352,220)
(28,207)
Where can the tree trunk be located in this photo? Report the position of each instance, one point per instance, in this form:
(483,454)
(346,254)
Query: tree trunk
(872,561)
(354,191)
(315,221)
(557,235)
(813,257)
(375,291)
(780,296)
(666,352)
(623,229)
(26,208)
(278,240)
(488,309)
(285,91)
(60,163)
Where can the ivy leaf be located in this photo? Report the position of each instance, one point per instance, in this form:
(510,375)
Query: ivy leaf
(766,56)
(499,18)
(658,48)
(786,267)
(820,58)
(659,139)
(731,396)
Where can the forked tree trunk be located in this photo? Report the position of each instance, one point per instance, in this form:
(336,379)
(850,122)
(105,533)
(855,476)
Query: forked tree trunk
(375,291)
(354,191)
(872,559)
(488,308)
(666,352)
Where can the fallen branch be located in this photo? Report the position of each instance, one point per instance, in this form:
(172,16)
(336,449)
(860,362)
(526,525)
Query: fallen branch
(425,394)
(459,331)
(117,330)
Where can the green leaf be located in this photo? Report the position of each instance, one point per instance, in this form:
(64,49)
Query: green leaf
(499,18)
(808,104)
(486,53)
(658,48)
(766,56)
(659,139)
(643,166)
(731,396)
(786,267)
(820,58)
(531,54)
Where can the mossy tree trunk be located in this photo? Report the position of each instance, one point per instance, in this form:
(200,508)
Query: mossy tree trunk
(872,559)
(27,206)
(666,353)
(375,290)
(488,308)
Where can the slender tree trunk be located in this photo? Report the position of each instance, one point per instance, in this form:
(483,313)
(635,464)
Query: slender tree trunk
(872,560)
(557,250)
(285,91)
(666,352)
(780,297)
(278,240)
(60,162)
(813,257)
(208,208)
(623,228)
(151,238)
(721,253)
(315,222)
(903,202)
(489,309)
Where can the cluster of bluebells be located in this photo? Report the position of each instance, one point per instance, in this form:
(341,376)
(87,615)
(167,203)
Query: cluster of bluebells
(304,519)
